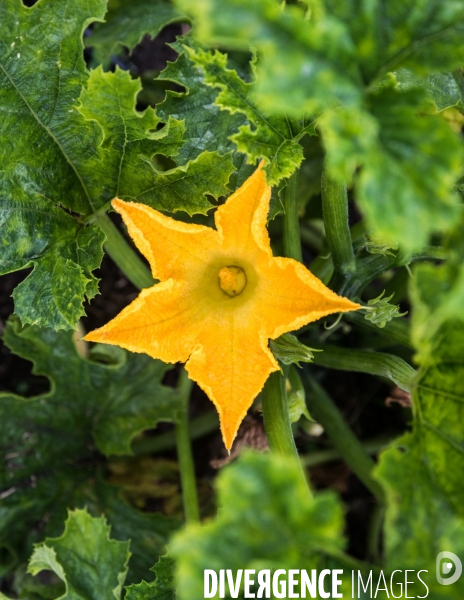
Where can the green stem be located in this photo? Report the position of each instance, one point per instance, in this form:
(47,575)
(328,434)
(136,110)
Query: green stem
(276,417)
(363,361)
(123,255)
(323,409)
(374,534)
(184,453)
(292,243)
(337,230)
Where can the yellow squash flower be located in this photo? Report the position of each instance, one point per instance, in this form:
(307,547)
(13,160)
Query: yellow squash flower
(222,295)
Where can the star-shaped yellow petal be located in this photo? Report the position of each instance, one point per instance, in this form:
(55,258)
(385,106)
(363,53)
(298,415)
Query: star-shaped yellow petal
(222,295)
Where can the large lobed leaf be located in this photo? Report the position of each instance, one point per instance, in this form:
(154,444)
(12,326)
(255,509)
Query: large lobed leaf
(81,143)
(49,440)
(422,471)
(41,74)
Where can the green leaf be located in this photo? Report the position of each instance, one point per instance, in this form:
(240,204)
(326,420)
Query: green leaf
(114,401)
(442,88)
(207,126)
(267,520)
(126,23)
(437,294)
(49,440)
(420,36)
(148,532)
(312,59)
(162,587)
(274,138)
(422,471)
(40,165)
(81,144)
(92,566)
(303,66)
(63,253)
(186,187)
(122,166)
(420,153)
(130,140)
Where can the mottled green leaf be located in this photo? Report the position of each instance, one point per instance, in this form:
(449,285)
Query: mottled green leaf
(126,23)
(63,253)
(422,471)
(149,532)
(81,144)
(114,401)
(92,566)
(49,440)
(312,59)
(418,35)
(274,138)
(437,293)
(187,187)
(303,64)
(409,161)
(267,520)
(121,165)
(442,88)
(41,74)
(207,126)
(163,586)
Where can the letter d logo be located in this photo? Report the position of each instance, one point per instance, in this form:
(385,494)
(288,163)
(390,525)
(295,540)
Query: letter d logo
(443,568)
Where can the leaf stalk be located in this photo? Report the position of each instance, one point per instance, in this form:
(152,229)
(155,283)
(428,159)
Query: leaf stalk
(184,453)
(337,230)
(291,222)
(123,254)
(324,410)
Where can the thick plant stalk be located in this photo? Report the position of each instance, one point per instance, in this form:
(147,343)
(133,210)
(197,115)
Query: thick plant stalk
(381,364)
(337,230)
(184,453)
(276,417)
(323,409)
(277,420)
(123,255)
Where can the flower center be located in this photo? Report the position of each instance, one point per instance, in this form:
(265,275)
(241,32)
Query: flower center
(232,280)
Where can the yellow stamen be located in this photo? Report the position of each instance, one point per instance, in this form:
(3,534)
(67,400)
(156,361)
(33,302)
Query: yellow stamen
(232,280)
